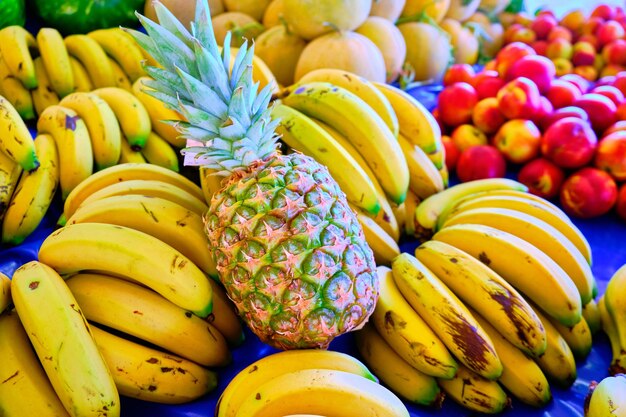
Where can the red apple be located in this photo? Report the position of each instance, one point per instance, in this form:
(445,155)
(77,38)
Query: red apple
(609,32)
(619,126)
(562,113)
(519,99)
(542,177)
(615,52)
(569,143)
(510,54)
(562,93)
(611,70)
(603,11)
(621,112)
(588,193)
(573,20)
(487,116)
(563,66)
(559,48)
(611,155)
(620,82)
(541,47)
(620,206)
(524,35)
(507,36)
(479,162)
(560,32)
(487,83)
(542,25)
(537,68)
(467,135)
(591,25)
(442,127)
(518,140)
(545,110)
(578,81)
(451,151)
(458,73)
(610,92)
(584,54)
(600,109)
(456,103)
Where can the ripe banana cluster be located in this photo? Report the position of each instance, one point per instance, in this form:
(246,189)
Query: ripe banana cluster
(381,146)
(308,382)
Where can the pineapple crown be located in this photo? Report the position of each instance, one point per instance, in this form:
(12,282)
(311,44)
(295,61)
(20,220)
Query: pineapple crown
(225,115)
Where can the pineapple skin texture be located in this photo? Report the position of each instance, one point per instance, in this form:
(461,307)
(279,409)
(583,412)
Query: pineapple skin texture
(291,253)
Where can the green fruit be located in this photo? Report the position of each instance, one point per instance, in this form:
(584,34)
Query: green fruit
(82,16)
(12,13)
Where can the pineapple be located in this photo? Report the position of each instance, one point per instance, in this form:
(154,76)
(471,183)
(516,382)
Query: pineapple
(288,248)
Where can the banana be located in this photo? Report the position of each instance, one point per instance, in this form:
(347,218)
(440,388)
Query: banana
(151,375)
(73,145)
(615,302)
(410,205)
(10,173)
(158,151)
(301,133)
(404,380)
(446,315)
(445,176)
(25,389)
(56,60)
(15,92)
(82,83)
(33,195)
(102,125)
(578,337)
(354,119)
(521,376)
(606,398)
(322,391)
(486,292)
(539,234)
(407,332)
(557,362)
(44,95)
(131,114)
(399,212)
(385,217)
(224,316)
(62,339)
(424,179)
(246,382)
(475,392)
(130,156)
(591,314)
(121,79)
(524,202)
(525,267)
(142,313)
(125,172)
(416,123)
(359,86)
(93,58)
(210,182)
(122,48)
(170,222)
(15,42)
(438,158)
(158,112)
(5,292)
(151,188)
(384,246)
(15,139)
(118,250)
(618,361)
(428,211)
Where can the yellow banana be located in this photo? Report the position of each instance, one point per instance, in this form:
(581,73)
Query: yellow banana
(122,48)
(591,314)
(224,316)
(5,292)
(301,133)
(73,144)
(93,58)
(10,172)
(322,391)
(399,212)
(487,293)
(578,337)
(246,382)
(56,60)
(384,246)
(142,313)
(15,139)
(407,332)
(121,251)
(615,302)
(475,392)
(102,125)
(446,315)
(125,172)
(385,217)
(521,376)
(151,188)
(15,42)
(121,79)
(151,375)
(618,361)
(354,119)
(82,83)
(170,222)
(158,151)
(33,195)
(158,112)
(210,183)
(14,91)
(424,179)
(606,398)
(62,339)
(539,234)
(404,380)
(524,266)
(43,96)
(130,156)
(131,114)
(438,158)
(410,205)
(25,388)
(416,123)
(359,86)
(445,176)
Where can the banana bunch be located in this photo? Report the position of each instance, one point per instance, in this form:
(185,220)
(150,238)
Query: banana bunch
(612,309)
(606,398)
(311,382)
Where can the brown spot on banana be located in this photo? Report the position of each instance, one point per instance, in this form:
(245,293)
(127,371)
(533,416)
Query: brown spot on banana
(152,360)
(473,347)
(165,369)
(33,285)
(482,257)
(11,377)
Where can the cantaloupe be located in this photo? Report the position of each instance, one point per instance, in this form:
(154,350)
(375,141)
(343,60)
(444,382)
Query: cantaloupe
(239,24)
(273,14)
(389,9)
(253,8)
(312,18)
(461,10)
(493,7)
(465,44)
(428,50)
(184,10)
(387,37)
(280,50)
(436,9)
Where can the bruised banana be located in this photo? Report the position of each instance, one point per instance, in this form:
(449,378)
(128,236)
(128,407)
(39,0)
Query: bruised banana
(15,45)
(56,60)
(15,139)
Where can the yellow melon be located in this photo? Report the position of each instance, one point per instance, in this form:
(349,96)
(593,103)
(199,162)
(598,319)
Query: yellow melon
(462,9)
(428,50)
(389,41)
(280,50)
(253,8)
(312,18)
(493,7)
(491,46)
(465,45)
(389,9)
(273,13)
(184,10)
(346,50)
(239,24)
(436,9)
